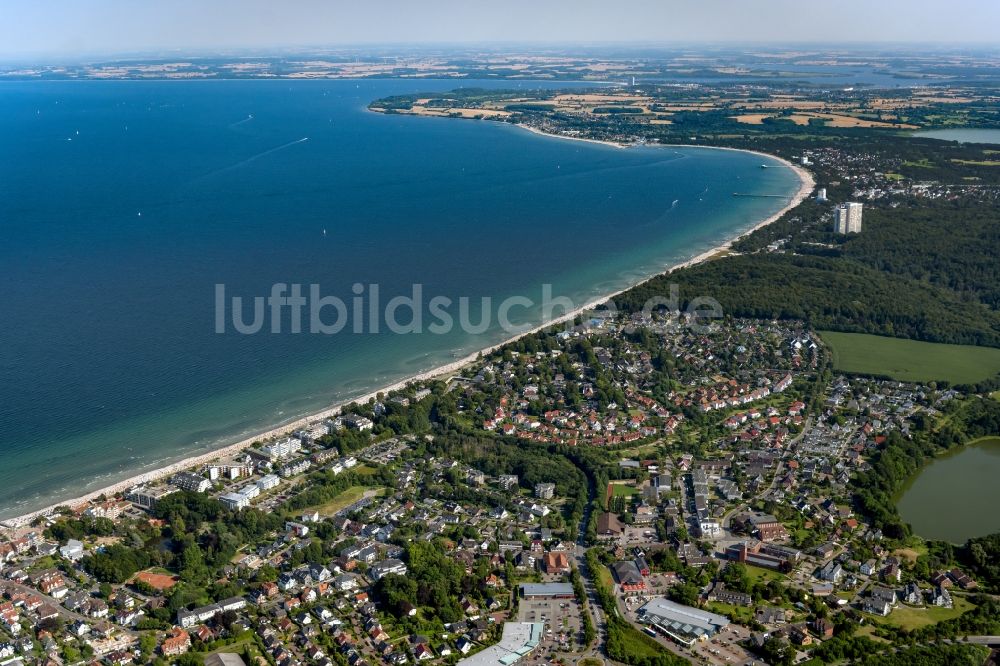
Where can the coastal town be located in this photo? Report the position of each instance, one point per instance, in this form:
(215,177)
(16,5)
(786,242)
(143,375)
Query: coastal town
(626,476)
(647,484)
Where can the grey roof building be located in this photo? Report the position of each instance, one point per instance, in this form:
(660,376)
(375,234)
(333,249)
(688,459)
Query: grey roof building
(224,659)
(682,623)
(551,590)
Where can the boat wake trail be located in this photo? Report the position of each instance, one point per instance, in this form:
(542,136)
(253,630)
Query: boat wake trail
(267,152)
(253,158)
(240,122)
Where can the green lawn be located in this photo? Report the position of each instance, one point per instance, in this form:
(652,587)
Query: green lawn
(344,499)
(43,563)
(232,648)
(604,577)
(736,613)
(622,490)
(868,631)
(911,360)
(759,574)
(914,618)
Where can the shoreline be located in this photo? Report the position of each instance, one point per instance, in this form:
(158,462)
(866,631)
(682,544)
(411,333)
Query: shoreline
(806,186)
(535,130)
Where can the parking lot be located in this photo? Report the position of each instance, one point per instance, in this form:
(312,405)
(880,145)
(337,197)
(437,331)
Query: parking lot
(561,618)
(659,583)
(639,535)
(724,648)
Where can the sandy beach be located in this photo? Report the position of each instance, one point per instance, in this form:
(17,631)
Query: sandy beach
(535,130)
(807,184)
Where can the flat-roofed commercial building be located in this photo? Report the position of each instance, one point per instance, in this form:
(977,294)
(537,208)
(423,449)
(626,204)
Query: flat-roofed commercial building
(279,450)
(547,591)
(146,498)
(683,624)
(769,556)
(519,639)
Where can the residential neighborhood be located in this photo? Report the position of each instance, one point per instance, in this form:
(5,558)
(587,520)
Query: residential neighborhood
(694,484)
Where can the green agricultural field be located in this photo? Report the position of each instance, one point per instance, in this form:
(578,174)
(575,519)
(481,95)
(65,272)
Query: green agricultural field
(978,162)
(911,360)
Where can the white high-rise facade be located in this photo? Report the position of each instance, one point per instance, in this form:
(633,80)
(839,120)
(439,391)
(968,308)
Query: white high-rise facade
(847,218)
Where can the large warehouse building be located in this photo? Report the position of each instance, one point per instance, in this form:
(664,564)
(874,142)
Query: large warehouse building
(519,640)
(683,624)
(547,591)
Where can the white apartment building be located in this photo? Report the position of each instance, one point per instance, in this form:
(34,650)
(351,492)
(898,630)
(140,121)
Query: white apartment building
(847,218)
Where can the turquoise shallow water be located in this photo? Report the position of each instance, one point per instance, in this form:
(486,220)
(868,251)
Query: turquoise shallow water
(123,204)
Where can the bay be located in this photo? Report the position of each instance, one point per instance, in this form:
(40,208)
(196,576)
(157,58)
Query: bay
(124,203)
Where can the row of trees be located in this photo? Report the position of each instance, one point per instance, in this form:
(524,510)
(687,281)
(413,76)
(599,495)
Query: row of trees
(625,643)
(589,632)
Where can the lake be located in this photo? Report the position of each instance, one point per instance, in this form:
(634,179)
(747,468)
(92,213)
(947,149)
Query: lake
(966,135)
(124,203)
(954,498)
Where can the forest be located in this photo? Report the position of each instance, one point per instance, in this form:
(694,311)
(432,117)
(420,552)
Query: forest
(827,293)
(948,244)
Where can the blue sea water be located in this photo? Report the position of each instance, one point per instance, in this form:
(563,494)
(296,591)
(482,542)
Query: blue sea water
(123,204)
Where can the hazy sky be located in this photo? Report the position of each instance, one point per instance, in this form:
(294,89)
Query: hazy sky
(80,27)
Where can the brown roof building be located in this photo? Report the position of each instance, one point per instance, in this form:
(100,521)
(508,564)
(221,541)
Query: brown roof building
(609,525)
(178,643)
(556,562)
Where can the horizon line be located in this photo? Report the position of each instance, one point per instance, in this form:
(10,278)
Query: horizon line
(278,49)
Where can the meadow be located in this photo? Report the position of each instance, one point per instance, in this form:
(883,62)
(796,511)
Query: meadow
(910,618)
(342,501)
(911,360)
